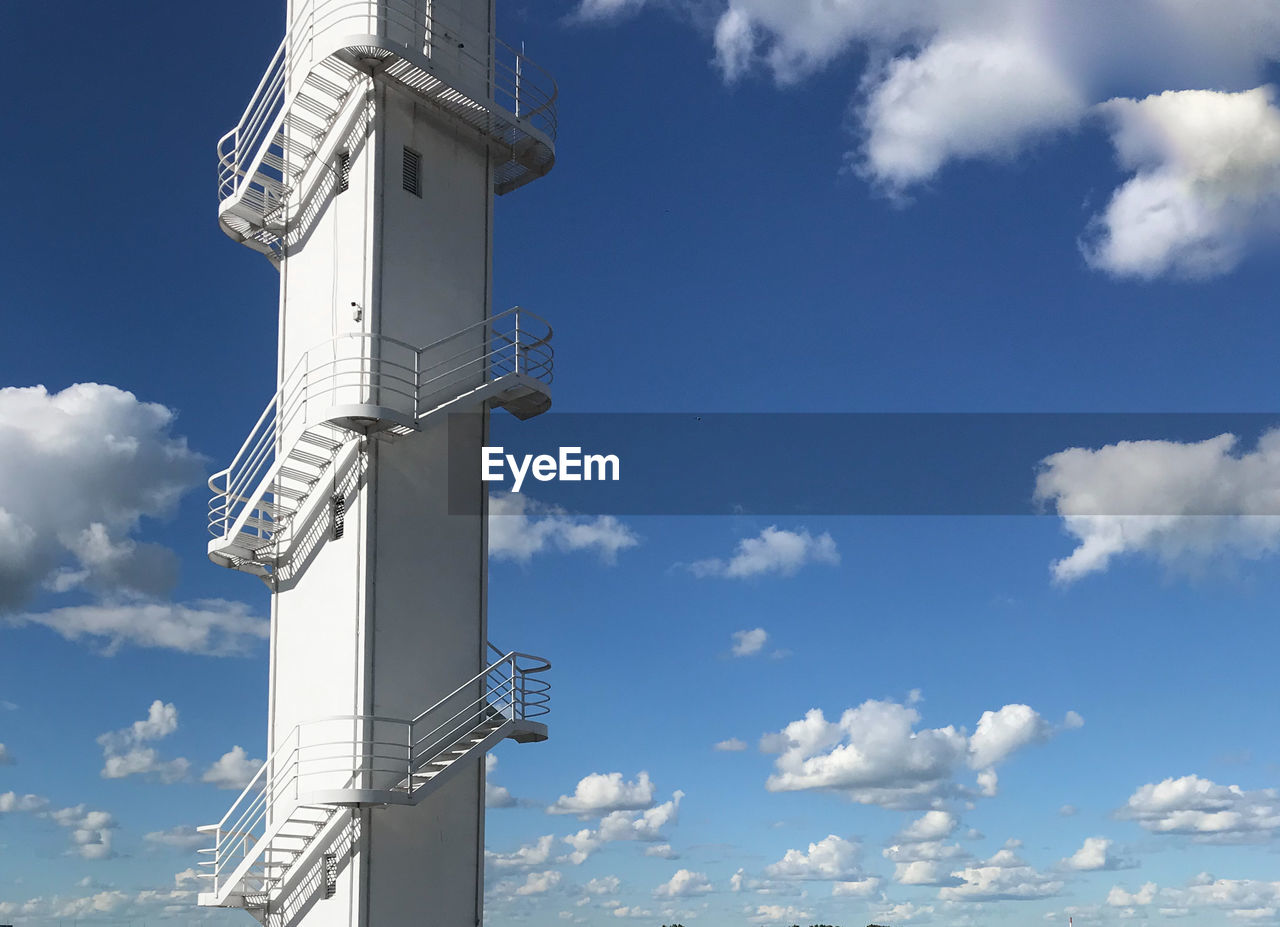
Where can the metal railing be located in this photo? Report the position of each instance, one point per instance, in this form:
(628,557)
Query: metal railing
(360,369)
(501,76)
(390,756)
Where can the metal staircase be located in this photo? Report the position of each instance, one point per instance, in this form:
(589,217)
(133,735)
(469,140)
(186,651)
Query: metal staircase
(299,804)
(287,146)
(340,394)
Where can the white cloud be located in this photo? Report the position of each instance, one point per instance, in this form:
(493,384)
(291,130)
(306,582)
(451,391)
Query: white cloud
(1000,733)
(832,859)
(233,770)
(519,528)
(732,745)
(211,627)
(495,796)
(683,884)
(875,754)
(80,469)
(1238,899)
(6,758)
(12,802)
(932,825)
(539,883)
(1003,877)
(607,9)
(124,752)
(959,98)
(986,79)
(603,885)
(749,643)
(1174,501)
(661,851)
(644,826)
(184,838)
(1206,183)
(600,793)
(1119,898)
(1095,855)
(863,888)
(1068,811)
(1202,809)
(533,854)
(90,831)
(774,551)
(776,914)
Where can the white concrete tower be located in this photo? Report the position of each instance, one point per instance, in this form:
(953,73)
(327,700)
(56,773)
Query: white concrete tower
(364,167)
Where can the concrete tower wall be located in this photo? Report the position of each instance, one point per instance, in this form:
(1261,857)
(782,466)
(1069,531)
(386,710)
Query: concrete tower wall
(391,617)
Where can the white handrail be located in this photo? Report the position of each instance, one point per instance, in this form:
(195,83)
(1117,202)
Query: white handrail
(360,368)
(368,760)
(530,102)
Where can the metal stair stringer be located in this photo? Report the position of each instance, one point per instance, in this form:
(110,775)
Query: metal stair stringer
(287,490)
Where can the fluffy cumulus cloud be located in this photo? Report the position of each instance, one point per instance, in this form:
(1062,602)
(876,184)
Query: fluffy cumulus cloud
(774,551)
(127,752)
(520,527)
(233,770)
(920,853)
(683,884)
(732,745)
(1176,502)
(646,826)
(987,79)
(1202,809)
(90,831)
(1205,184)
(876,754)
(601,793)
(1095,854)
(961,98)
(1003,877)
(80,469)
(831,859)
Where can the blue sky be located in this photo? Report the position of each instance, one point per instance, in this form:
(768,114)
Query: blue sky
(758,206)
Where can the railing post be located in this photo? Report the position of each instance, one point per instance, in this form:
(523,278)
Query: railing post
(519,347)
(512,688)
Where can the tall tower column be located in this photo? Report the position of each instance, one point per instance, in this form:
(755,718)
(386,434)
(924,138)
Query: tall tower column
(365,168)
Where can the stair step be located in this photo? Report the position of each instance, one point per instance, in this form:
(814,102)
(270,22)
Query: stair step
(320,440)
(310,460)
(288,492)
(305,126)
(317,107)
(292,146)
(334,89)
(302,476)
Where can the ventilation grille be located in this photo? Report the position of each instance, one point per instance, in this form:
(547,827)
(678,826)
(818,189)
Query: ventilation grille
(343,169)
(339,503)
(330,875)
(412,177)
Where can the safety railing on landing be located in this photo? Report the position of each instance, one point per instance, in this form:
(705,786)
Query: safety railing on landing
(508,80)
(376,759)
(382,376)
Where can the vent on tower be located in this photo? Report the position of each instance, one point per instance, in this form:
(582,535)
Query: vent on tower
(343,170)
(412,175)
(330,875)
(339,503)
